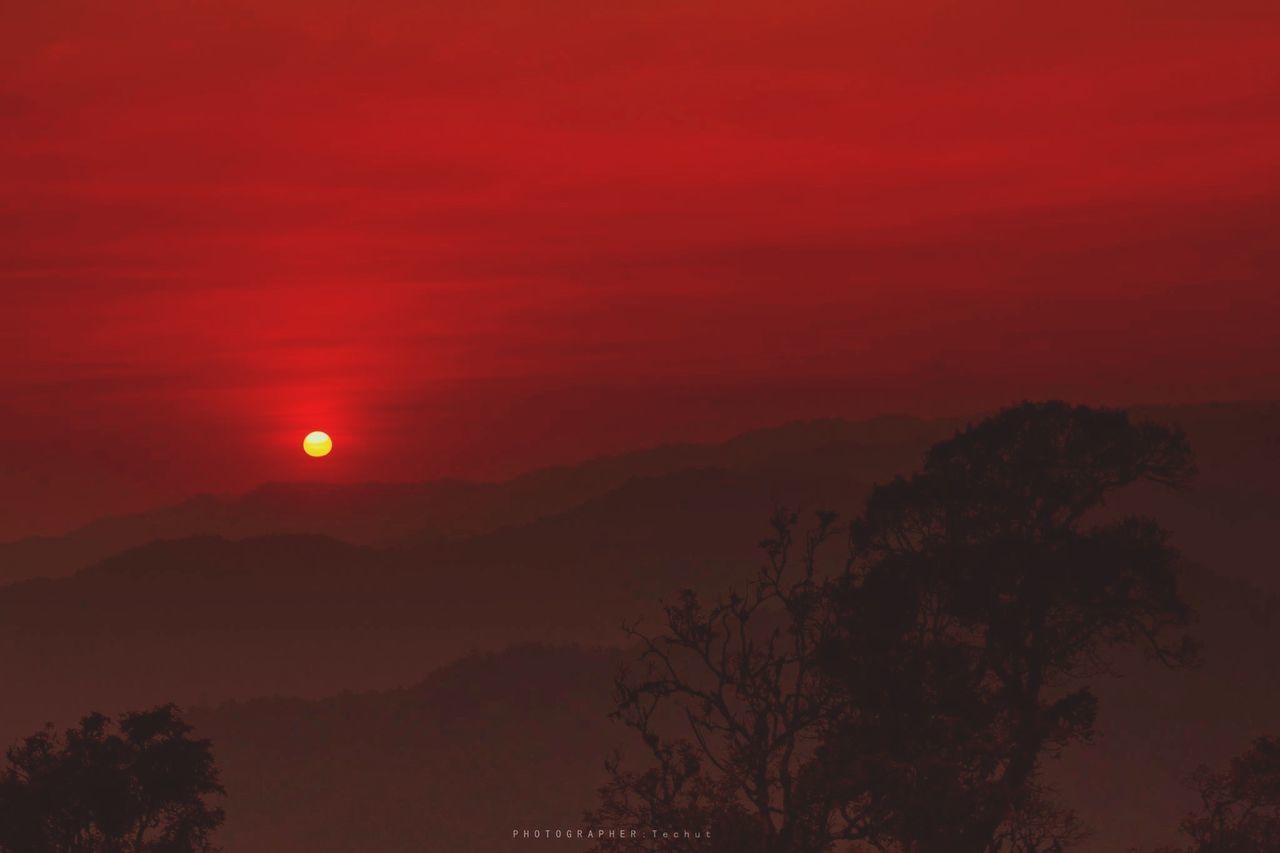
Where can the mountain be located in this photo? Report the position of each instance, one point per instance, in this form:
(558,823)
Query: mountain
(517,739)
(388,513)
(211,618)
(489,744)
(809,463)
(306,591)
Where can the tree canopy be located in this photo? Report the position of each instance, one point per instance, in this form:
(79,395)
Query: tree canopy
(906,699)
(138,784)
(1240,805)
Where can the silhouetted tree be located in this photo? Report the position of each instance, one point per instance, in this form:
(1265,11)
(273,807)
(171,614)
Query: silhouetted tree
(742,678)
(907,701)
(138,785)
(1240,806)
(1037,824)
(991,588)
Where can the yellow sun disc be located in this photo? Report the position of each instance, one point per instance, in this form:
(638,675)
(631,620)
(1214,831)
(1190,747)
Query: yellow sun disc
(317,443)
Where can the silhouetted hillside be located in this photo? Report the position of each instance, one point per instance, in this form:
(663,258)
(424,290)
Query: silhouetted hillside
(500,741)
(482,746)
(808,462)
(798,455)
(564,556)
(209,618)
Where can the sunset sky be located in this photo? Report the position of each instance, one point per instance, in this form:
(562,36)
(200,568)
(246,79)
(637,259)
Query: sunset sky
(467,238)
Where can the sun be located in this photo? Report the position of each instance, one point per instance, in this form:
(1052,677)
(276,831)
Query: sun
(317,443)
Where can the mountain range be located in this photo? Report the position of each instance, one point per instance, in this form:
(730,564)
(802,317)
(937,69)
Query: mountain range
(341,599)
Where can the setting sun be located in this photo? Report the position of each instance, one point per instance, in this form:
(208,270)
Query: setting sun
(317,443)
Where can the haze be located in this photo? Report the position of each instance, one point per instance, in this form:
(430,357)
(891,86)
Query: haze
(470,239)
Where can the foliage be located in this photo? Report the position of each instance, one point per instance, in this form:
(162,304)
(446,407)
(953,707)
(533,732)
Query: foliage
(140,784)
(743,677)
(906,700)
(1240,806)
(991,591)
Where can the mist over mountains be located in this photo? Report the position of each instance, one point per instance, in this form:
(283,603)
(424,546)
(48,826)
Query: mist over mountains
(307,591)
(798,455)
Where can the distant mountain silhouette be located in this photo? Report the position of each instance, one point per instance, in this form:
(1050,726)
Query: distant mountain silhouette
(388,513)
(500,741)
(486,745)
(809,462)
(310,590)
(206,617)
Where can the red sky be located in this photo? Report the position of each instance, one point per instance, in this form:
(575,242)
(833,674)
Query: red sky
(472,237)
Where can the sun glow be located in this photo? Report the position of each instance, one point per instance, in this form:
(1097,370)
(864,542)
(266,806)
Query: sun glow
(317,443)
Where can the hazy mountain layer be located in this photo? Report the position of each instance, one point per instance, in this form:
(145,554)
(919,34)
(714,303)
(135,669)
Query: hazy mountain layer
(397,582)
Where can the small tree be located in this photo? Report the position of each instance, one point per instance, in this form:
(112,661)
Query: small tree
(138,785)
(1240,806)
